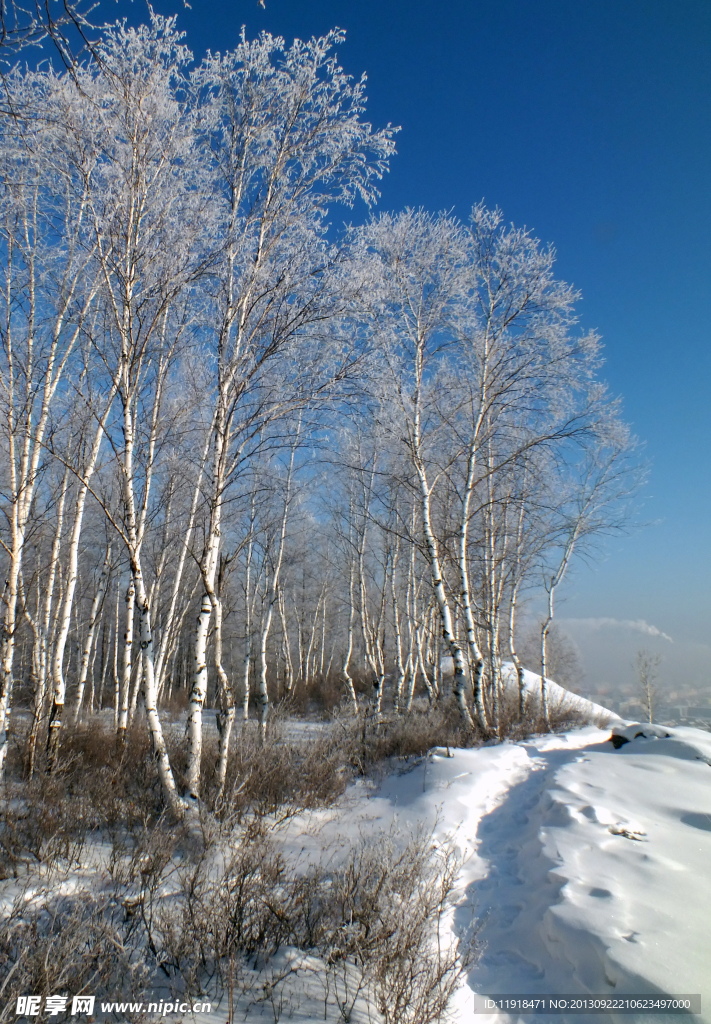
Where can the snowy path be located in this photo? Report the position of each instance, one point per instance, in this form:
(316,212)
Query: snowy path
(513,900)
(587,867)
(591,873)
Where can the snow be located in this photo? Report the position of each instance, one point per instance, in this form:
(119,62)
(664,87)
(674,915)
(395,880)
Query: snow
(558,696)
(587,866)
(585,870)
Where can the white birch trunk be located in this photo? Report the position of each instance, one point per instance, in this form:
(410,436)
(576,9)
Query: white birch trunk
(7,651)
(273,595)
(477,658)
(127,662)
(455,651)
(105,652)
(322,658)
(285,646)
(160,751)
(116,677)
(96,607)
(554,582)
(171,628)
(400,683)
(226,717)
(198,694)
(423,669)
(310,664)
(58,679)
(349,647)
(26,437)
(545,627)
(247,660)
(516,582)
(514,656)
(135,524)
(370,631)
(92,688)
(136,684)
(43,631)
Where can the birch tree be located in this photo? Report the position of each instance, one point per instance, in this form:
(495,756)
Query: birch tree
(272,594)
(528,384)
(41,621)
(96,607)
(84,471)
(419,273)
(28,24)
(145,217)
(287,139)
(646,667)
(49,286)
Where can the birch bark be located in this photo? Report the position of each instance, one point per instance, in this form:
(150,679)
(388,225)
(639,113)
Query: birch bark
(58,679)
(226,717)
(38,339)
(455,651)
(41,629)
(400,681)
(96,607)
(272,598)
(349,645)
(275,120)
(420,261)
(285,646)
(477,658)
(208,569)
(550,585)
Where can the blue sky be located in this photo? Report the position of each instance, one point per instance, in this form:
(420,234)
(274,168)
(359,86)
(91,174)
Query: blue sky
(589,122)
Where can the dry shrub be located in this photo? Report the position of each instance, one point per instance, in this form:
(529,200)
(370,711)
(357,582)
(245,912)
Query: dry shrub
(266,778)
(374,922)
(283,775)
(381,923)
(562,715)
(120,782)
(41,827)
(95,786)
(75,942)
(213,921)
(368,741)
(322,695)
(198,919)
(178,701)
(204,919)
(278,775)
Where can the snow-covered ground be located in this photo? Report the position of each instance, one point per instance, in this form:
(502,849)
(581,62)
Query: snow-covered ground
(586,865)
(589,865)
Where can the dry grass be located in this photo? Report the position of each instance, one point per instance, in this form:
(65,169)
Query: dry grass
(321,696)
(373,921)
(204,918)
(77,942)
(562,715)
(98,785)
(368,742)
(213,920)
